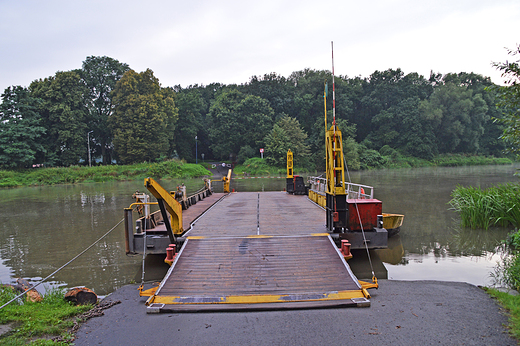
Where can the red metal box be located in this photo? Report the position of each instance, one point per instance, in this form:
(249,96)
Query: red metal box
(368,211)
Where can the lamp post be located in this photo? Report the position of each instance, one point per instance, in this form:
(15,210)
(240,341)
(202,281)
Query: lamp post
(196,154)
(88,145)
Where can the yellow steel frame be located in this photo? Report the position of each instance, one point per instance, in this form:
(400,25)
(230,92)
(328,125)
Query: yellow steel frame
(334,160)
(172,206)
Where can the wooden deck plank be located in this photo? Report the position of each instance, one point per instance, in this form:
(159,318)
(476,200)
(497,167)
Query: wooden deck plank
(279,214)
(258,265)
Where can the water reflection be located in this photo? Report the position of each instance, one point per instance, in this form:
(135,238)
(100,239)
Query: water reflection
(41,228)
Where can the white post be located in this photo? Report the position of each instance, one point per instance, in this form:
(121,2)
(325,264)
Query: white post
(88,145)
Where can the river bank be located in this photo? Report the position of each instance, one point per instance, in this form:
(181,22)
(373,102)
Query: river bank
(172,169)
(401,312)
(100,174)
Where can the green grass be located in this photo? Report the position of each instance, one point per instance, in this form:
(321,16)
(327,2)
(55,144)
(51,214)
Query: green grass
(83,174)
(512,304)
(445,160)
(38,323)
(481,208)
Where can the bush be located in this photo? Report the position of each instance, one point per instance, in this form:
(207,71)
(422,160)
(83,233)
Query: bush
(193,170)
(246,152)
(164,169)
(258,167)
(370,158)
(387,150)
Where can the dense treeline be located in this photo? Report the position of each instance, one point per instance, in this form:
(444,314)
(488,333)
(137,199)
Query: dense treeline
(129,117)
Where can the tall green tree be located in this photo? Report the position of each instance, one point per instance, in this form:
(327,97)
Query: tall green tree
(274,88)
(144,118)
(406,128)
(309,86)
(509,101)
(190,124)
(287,134)
(459,117)
(101,75)
(489,142)
(236,120)
(63,114)
(20,129)
(383,90)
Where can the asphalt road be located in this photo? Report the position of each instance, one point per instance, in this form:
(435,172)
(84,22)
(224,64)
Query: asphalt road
(401,313)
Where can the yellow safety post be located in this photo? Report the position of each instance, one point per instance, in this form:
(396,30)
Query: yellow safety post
(226,181)
(290,164)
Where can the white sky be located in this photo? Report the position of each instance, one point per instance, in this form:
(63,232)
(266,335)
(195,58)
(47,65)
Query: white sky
(228,41)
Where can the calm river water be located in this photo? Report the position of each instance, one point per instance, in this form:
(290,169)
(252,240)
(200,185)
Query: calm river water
(42,228)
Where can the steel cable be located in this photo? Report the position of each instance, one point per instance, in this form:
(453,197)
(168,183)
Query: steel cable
(360,223)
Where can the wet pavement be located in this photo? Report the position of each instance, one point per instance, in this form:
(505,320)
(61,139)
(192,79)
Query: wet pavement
(401,313)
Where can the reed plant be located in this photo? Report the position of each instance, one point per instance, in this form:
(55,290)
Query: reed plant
(481,208)
(506,274)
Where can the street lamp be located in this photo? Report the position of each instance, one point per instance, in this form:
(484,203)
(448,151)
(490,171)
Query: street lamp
(88,145)
(196,154)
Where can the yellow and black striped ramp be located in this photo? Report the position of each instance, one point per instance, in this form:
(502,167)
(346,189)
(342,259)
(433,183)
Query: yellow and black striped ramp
(258,273)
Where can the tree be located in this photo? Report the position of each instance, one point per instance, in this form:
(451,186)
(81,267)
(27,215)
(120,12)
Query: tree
(482,90)
(275,89)
(407,127)
(383,90)
(235,120)
(308,98)
(20,130)
(287,134)
(144,118)
(191,110)
(63,114)
(101,75)
(509,101)
(459,118)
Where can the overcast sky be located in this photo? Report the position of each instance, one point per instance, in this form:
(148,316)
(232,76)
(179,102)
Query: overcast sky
(200,42)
